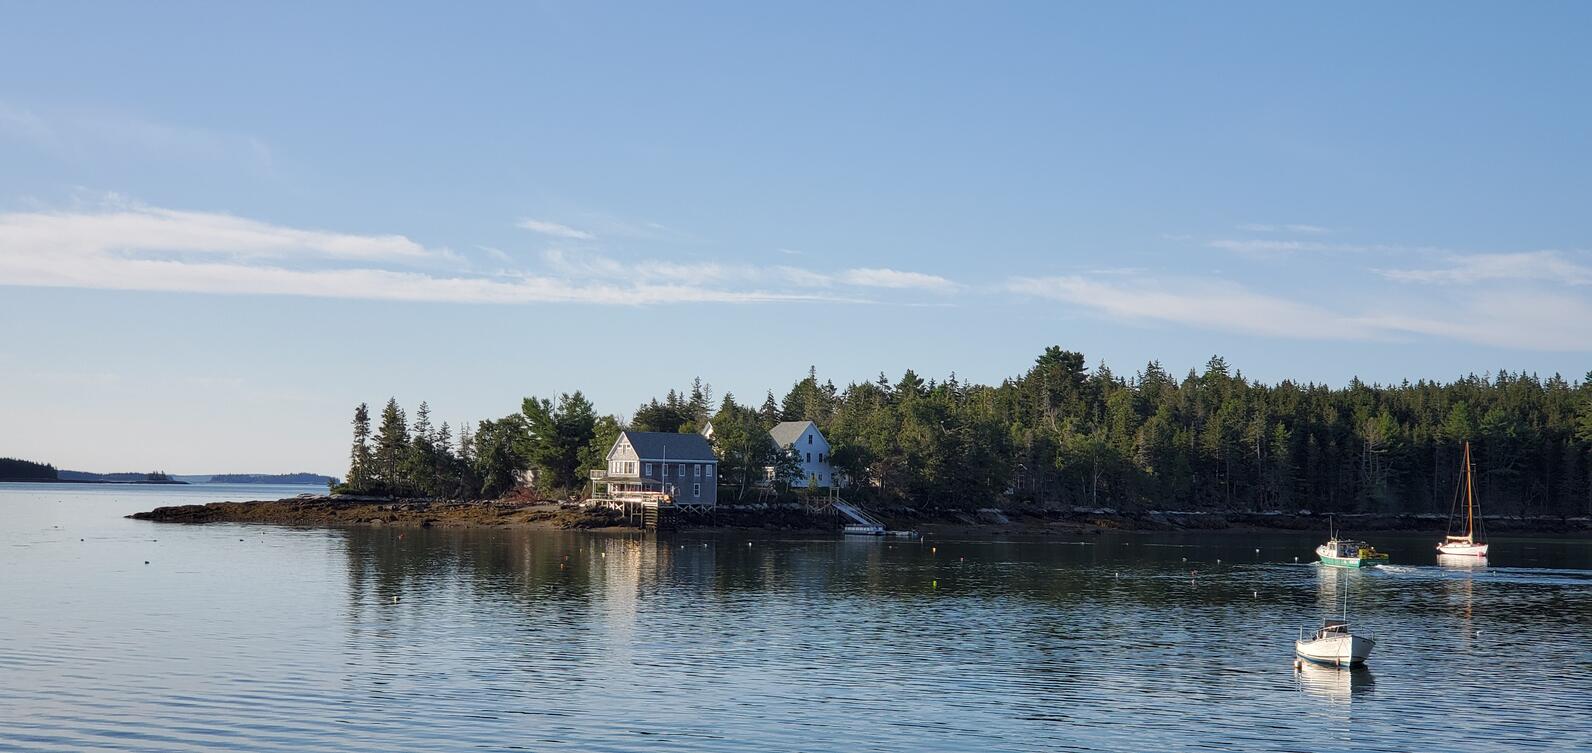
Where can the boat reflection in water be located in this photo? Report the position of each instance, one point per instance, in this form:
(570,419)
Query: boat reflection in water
(1338,685)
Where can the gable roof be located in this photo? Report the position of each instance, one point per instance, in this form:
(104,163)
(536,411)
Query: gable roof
(665,445)
(786,433)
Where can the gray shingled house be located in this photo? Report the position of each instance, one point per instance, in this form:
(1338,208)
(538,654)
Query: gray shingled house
(681,465)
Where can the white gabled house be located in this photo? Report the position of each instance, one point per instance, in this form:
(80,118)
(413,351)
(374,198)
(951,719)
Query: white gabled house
(812,452)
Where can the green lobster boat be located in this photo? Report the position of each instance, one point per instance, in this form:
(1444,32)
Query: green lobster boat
(1349,553)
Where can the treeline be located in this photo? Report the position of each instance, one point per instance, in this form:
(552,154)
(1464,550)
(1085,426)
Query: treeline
(269,478)
(15,469)
(561,442)
(1062,434)
(549,445)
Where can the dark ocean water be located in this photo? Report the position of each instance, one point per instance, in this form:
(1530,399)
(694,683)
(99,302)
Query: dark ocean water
(239,637)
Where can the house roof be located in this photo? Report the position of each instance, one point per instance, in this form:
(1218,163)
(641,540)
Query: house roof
(786,433)
(664,445)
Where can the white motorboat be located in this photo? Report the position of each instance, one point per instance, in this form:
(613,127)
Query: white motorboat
(1334,644)
(860,529)
(1470,544)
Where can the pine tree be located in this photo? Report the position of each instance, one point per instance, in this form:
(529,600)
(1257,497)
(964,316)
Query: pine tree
(392,442)
(557,436)
(359,459)
(769,413)
(423,422)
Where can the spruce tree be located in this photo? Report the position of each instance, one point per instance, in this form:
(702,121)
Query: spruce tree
(392,443)
(359,461)
(769,413)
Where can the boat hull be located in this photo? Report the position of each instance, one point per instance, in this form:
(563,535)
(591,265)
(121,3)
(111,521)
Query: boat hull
(1335,561)
(1461,549)
(1336,650)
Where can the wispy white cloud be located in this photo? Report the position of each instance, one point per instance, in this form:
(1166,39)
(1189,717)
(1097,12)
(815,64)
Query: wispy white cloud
(145,230)
(1270,246)
(880,277)
(587,264)
(1273,247)
(94,134)
(1520,319)
(131,247)
(554,229)
(1469,269)
(805,278)
(1257,227)
(497,254)
(1205,304)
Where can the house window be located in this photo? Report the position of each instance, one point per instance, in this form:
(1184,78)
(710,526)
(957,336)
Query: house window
(820,457)
(710,471)
(696,470)
(809,457)
(696,490)
(649,469)
(809,439)
(682,470)
(820,478)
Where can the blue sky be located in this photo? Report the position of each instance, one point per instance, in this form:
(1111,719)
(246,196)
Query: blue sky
(222,226)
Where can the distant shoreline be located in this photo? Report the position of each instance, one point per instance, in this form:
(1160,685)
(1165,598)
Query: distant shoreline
(330,511)
(166,482)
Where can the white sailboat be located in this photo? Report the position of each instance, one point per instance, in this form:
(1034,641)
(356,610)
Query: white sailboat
(1470,544)
(1334,644)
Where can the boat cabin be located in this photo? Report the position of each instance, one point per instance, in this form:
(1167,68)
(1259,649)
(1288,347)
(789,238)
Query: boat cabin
(1348,548)
(1331,628)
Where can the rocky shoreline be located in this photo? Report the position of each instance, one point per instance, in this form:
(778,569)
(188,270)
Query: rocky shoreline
(342,510)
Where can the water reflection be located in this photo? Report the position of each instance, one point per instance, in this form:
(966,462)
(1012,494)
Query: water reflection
(1332,683)
(263,638)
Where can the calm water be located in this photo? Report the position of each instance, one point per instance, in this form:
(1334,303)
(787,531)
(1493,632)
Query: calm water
(263,638)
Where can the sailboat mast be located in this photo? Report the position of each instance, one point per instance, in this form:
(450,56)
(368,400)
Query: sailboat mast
(1470,499)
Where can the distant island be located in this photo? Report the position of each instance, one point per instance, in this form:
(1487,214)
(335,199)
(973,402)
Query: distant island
(131,477)
(15,470)
(307,479)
